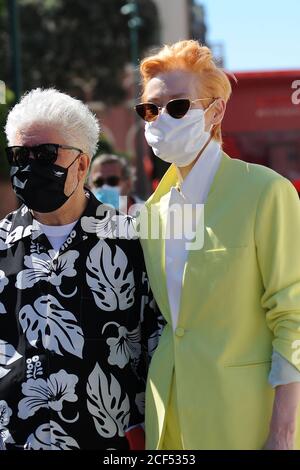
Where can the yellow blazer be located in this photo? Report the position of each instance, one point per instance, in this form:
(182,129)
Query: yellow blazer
(240,298)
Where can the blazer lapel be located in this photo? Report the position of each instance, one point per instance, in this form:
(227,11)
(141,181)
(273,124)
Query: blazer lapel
(195,257)
(154,246)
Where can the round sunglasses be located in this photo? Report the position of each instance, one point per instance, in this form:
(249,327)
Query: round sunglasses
(176,108)
(18,155)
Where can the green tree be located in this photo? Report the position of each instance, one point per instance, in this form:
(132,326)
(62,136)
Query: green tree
(79,46)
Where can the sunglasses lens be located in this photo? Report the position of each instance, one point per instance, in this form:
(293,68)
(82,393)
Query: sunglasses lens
(147,111)
(46,153)
(98,182)
(178,108)
(18,156)
(113,180)
(110,180)
(21,156)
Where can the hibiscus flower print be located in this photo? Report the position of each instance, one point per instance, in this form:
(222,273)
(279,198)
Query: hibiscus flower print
(124,347)
(43,267)
(5,414)
(125,227)
(49,393)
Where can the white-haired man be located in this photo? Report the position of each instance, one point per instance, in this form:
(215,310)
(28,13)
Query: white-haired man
(77,321)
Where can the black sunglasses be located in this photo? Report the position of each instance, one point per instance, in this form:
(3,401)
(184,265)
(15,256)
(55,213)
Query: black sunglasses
(176,108)
(110,180)
(18,155)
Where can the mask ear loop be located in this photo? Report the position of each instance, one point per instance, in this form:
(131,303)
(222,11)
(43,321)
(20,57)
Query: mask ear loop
(73,161)
(208,107)
(77,181)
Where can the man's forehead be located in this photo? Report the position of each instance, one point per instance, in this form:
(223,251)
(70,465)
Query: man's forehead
(106,167)
(37,134)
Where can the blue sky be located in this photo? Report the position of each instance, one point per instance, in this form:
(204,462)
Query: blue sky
(256,34)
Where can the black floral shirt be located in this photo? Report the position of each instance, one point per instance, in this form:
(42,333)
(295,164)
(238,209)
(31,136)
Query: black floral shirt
(77,329)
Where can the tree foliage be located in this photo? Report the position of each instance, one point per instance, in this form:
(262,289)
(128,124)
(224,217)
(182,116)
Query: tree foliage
(78,46)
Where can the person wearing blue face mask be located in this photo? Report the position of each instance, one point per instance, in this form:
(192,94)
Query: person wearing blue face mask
(111,181)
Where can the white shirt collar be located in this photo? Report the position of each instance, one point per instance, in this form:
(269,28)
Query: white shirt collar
(196,185)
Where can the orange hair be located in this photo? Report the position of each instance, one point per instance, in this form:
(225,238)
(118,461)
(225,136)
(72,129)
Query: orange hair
(192,57)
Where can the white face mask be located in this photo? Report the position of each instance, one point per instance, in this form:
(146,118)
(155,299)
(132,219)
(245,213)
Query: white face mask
(178,141)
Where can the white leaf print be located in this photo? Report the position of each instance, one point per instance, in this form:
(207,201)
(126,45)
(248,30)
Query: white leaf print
(18,233)
(3,372)
(50,323)
(24,210)
(50,437)
(124,347)
(3,283)
(40,267)
(50,393)
(5,227)
(8,354)
(109,409)
(110,278)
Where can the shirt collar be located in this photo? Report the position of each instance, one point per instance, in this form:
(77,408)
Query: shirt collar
(24,225)
(196,185)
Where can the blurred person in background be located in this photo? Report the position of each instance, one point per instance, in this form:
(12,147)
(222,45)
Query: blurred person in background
(76,315)
(111,181)
(226,372)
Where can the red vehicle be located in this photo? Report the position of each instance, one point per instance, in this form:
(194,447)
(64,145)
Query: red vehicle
(262,121)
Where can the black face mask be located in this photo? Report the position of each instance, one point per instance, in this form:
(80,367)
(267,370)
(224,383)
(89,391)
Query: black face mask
(41,187)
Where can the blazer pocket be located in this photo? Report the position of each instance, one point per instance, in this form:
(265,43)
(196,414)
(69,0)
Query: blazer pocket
(248,364)
(222,262)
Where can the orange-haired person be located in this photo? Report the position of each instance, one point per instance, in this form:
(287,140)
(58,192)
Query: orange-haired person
(226,371)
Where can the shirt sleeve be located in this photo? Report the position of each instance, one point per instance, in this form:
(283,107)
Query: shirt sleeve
(277,236)
(152,324)
(282,372)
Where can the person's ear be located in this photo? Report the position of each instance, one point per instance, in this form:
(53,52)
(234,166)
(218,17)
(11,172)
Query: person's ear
(218,109)
(83,165)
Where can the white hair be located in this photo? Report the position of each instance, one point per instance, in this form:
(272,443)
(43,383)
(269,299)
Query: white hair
(68,116)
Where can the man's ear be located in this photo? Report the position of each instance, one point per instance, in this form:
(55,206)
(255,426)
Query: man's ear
(84,163)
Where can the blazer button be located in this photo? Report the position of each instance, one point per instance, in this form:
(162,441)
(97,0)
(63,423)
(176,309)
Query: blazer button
(179,332)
